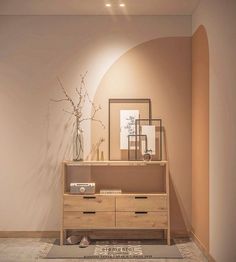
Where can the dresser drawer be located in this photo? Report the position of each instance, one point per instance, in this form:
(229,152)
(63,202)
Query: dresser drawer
(141,203)
(157,220)
(89,203)
(88,220)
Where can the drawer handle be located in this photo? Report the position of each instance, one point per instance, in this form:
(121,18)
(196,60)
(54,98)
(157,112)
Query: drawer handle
(140,197)
(141,212)
(89,197)
(89,212)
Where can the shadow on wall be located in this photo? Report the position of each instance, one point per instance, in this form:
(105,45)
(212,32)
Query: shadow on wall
(47,172)
(178,214)
(159,69)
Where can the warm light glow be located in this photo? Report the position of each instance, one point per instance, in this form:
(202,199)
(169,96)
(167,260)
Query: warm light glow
(122,5)
(108,5)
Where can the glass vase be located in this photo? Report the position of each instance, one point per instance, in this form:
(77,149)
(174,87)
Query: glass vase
(78,144)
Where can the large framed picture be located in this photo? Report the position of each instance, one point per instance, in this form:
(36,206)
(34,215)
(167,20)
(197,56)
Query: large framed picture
(122,115)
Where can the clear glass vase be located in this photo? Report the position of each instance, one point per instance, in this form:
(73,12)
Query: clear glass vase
(78,143)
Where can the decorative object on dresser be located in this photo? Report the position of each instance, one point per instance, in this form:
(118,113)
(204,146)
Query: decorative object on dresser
(82,188)
(77,106)
(142,205)
(147,155)
(97,146)
(96,154)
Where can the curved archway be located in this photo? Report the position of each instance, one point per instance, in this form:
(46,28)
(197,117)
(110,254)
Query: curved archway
(200,136)
(159,69)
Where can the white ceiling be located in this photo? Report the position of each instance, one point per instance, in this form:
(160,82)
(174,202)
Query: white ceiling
(97,7)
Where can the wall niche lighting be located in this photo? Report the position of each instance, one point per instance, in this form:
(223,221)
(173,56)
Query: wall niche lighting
(122,5)
(108,5)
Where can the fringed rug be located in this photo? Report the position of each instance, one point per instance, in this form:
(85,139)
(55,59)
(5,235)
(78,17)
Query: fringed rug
(116,249)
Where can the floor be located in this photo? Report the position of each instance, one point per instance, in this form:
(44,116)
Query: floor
(34,249)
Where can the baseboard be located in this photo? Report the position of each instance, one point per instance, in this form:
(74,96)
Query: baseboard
(202,247)
(29,234)
(56,234)
(120,234)
(98,234)
(180,234)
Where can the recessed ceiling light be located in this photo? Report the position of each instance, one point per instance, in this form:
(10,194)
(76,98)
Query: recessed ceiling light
(122,5)
(108,5)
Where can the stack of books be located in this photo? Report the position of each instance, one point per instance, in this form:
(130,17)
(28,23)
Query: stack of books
(110,191)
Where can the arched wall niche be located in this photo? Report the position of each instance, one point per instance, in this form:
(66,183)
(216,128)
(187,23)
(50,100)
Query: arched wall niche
(200,136)
(159,69)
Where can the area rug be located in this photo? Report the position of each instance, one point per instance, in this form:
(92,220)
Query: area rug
(116,249)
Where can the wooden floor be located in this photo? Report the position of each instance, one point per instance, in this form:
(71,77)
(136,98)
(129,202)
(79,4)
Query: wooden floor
(34,249)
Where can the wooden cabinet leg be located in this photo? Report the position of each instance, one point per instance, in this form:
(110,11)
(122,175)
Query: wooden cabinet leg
(168,237)
(165,234)
(62,237)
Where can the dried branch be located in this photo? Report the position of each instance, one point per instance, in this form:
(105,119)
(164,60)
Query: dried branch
(93,119)
(95,111)
(67,96)
(80,91)
(77,107)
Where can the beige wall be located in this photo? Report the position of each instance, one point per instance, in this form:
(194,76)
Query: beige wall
(160,70)
(35,134)
(200,136)
(218,17)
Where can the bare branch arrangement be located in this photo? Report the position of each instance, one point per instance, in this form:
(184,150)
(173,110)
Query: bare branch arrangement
(82,96)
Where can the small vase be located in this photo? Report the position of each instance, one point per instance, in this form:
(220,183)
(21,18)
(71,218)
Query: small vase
(78,143)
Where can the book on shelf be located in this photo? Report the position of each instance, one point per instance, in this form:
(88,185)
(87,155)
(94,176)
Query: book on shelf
(110,191)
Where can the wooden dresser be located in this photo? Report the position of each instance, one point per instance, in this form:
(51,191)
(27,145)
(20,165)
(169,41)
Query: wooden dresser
(143,204)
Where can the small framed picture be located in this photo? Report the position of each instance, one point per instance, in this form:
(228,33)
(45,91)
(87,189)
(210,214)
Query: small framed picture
(152,128)
(137,146)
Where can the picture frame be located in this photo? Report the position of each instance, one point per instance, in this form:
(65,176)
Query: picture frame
(152,128)
(122,113)
(136,143)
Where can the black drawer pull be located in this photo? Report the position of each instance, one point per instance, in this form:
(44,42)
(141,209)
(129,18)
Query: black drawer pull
(89,212)
(141,212)
(89,197)
(140,197)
